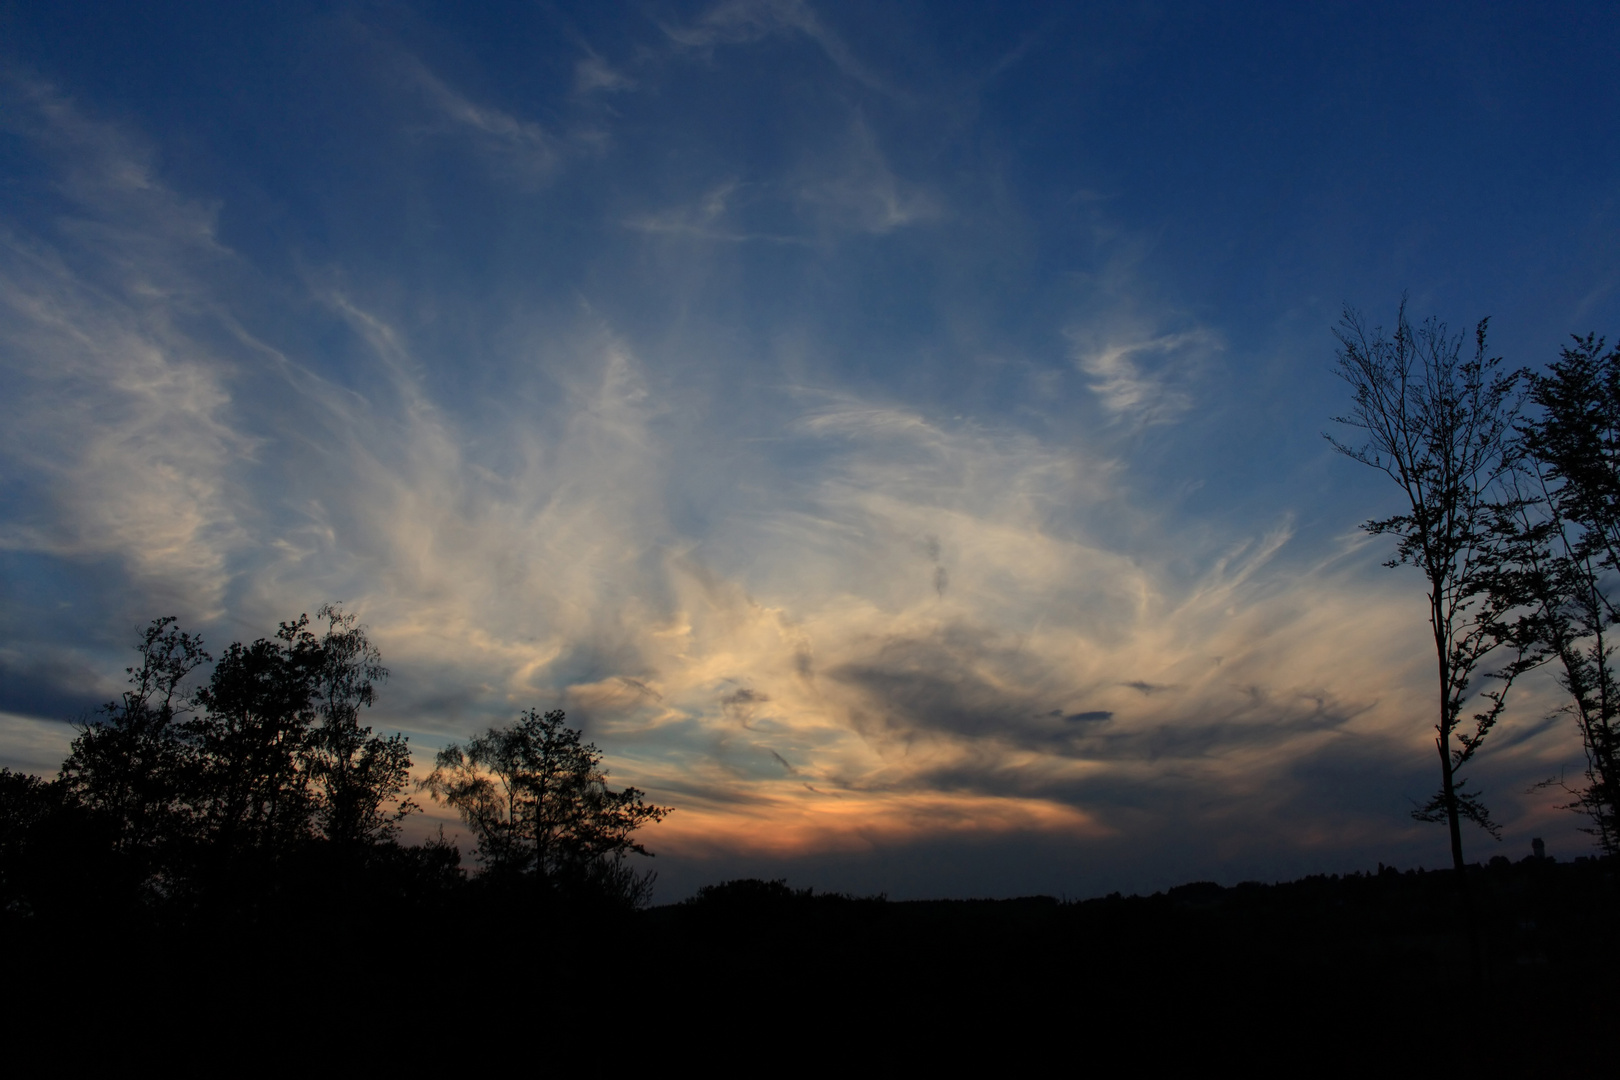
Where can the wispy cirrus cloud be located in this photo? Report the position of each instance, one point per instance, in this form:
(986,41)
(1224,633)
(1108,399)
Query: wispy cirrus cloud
(855,188)
(849,189)
(909,633)
(740,22)
(711,217)
(117,419)
(788,591)
(1143,379)
(514,148)
(594,75)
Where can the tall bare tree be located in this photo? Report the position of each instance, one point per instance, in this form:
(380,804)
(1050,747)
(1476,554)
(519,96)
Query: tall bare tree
(1441,427)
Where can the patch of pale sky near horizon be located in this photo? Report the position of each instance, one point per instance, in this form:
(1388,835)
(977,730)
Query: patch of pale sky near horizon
(32,746)
(823,603)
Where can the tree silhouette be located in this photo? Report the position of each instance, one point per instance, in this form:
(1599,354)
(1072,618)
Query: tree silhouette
(43,854)
(538,801)
(219,787)
(252,741)
(361,776)
(132,768)
(284,758)
(1574,448)
(1441,427)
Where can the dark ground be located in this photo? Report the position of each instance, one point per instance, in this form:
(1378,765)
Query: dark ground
(1355,967)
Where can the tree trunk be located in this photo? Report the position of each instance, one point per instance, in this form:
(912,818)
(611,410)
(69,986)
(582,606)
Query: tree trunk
(1450,795)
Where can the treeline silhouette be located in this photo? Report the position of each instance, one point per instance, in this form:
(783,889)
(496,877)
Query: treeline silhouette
(1358,969)
(234,843)
(255,801)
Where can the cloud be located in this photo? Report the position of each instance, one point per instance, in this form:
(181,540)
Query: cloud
(593,75)
(514,148)
(841,189)
(742,22)
(118,418)
(859,625)
(1128,388)
(855,189)
(32,746)
(712,217)
(794,681)
(51,681)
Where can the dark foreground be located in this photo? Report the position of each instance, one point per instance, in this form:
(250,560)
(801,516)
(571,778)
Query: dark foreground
(1356,965)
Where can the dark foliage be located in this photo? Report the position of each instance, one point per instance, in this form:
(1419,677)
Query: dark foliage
(247,797)
(218,874)
(538,801)
(251,800)
(1572,448)
(1328,963)
(132,769)
(53,857)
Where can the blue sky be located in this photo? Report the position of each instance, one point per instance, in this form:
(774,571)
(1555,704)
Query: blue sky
(891,430)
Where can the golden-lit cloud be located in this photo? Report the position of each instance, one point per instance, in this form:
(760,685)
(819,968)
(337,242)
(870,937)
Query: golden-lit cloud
(921,639)
(812,608)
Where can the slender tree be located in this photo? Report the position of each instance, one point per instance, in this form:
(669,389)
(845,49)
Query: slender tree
(1441,427)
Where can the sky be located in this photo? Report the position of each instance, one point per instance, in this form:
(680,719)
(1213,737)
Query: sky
(891,431)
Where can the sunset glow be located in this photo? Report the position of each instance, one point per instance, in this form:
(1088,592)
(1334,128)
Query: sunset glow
(891,432)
